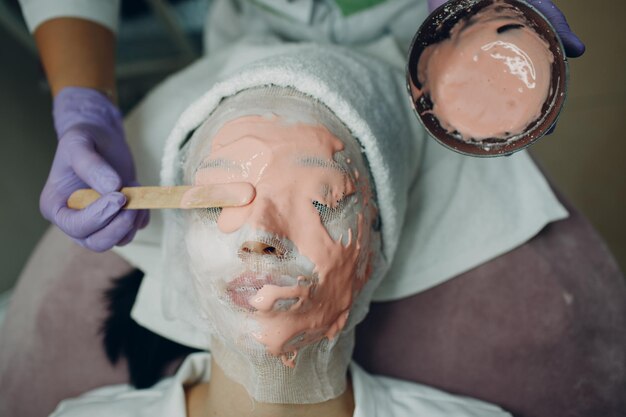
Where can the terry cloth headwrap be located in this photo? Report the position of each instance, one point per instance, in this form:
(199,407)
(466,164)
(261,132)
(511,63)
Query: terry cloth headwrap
(441,213)
(362,92)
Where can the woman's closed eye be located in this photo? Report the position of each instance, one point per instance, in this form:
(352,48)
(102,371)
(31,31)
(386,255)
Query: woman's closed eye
(328,213)
(211,214)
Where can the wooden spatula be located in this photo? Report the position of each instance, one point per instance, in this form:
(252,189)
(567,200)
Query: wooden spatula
(181,197)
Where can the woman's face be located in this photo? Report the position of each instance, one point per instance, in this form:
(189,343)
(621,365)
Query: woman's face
(282,271)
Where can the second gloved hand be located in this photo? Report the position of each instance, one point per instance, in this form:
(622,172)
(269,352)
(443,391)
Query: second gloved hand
(573,45)
(91,153)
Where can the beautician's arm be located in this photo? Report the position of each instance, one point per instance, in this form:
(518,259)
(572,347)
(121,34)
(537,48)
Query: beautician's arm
(79,56)
(77,53)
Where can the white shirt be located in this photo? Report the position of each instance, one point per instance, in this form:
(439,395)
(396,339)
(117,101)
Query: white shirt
(104,12)
(374,396)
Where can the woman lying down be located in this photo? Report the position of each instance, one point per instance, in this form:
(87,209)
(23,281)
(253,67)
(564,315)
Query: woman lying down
(277,286)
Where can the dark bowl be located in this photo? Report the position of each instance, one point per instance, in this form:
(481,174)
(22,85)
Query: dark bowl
(437,28)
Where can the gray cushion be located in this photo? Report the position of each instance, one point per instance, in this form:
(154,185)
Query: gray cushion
(50,345)
(540,331)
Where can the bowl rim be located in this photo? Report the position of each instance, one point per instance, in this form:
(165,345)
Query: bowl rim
(441,20)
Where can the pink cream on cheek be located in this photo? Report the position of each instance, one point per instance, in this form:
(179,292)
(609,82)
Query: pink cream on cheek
(269,155)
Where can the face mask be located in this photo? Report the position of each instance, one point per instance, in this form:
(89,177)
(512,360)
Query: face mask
(280,275)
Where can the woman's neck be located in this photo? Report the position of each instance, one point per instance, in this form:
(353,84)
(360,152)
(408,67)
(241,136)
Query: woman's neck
(318,373)
(224,397)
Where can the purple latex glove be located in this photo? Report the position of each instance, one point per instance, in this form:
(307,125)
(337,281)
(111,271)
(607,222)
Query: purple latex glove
(573,46)
(91,153)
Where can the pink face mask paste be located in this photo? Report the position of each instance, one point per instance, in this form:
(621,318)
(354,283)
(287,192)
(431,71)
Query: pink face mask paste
(275,158)
(490,78)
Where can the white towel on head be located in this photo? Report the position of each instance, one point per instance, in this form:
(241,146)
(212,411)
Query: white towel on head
(363,92)
(442,213)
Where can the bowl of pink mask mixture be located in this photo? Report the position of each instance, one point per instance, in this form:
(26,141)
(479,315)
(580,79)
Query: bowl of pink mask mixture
(487,77)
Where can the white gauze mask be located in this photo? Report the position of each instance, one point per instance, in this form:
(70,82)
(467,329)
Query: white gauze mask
(278,284)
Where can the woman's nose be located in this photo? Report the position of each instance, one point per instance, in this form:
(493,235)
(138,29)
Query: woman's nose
(260,248)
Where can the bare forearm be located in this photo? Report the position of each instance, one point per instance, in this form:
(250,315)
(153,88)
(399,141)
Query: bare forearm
(77,53)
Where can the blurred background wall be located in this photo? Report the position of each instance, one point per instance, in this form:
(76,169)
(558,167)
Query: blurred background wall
(585,158)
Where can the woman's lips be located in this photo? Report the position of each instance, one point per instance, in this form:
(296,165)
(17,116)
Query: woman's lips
(245,286)
(241,289)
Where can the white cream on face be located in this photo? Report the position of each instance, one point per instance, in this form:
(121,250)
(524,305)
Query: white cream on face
(297,174)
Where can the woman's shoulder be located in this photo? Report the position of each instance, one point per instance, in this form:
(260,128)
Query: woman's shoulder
(166,398)
(390,397)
